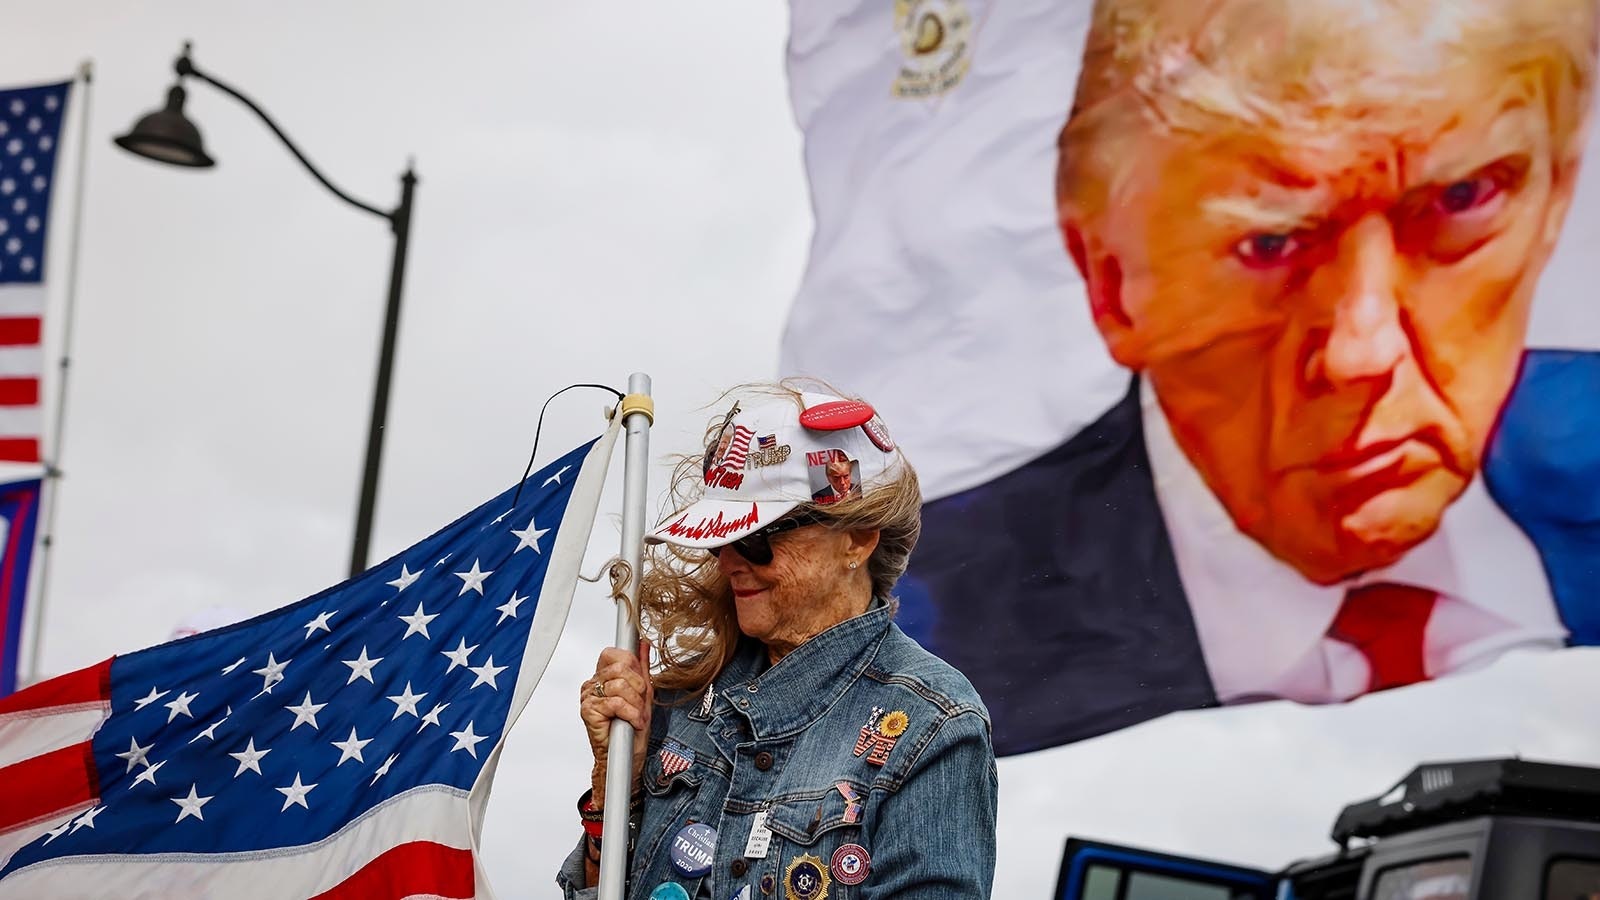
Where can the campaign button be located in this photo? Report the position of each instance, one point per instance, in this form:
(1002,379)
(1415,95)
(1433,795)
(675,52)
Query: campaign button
(836,415)
(693,849)
(669,890)
(850,864)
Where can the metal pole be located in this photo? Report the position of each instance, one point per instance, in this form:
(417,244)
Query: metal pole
(52,468)
(380,391)
(619,760)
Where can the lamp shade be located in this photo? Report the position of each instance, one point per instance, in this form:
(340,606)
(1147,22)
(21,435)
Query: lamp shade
(168,136)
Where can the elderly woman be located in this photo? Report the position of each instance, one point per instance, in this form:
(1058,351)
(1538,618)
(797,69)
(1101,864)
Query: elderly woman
(799,744)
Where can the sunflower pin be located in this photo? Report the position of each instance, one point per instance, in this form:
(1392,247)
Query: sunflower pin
(878,738)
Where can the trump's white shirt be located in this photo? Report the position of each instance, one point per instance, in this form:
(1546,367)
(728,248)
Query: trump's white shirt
(1263,627)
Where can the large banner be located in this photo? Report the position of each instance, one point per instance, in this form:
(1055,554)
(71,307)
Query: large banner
(1246,348)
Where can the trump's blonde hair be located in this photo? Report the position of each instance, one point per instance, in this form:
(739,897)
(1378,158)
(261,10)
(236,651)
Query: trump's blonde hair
(1306,68)
(686,604)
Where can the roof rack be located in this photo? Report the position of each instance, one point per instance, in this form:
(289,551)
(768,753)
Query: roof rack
(1447,791)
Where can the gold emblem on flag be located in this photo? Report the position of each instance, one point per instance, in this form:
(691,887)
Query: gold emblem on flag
(935,36)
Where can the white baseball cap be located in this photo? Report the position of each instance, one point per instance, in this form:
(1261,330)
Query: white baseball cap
(769,457)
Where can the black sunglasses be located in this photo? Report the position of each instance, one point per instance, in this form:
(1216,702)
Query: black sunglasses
(711,448)
(756,547)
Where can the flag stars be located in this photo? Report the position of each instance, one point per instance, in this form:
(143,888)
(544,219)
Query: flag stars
(305,713)
(271,673)
(180,705)
(361,667)
(432,718)
(466,740)
(295,794)
(148,699)
(486,674)
(87,819)
(190,805)
(228,669)
(350,748)
(406,579)
(210,731)
(473,580)
(58,831)
(417,623)
(556,477)
(320,623)
(149,773)
(249,758)
(458,656)
(383,769)
(136,755)
(405,702)
(508,610)
(529,537)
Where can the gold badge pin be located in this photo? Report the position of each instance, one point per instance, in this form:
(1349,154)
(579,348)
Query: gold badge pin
(806,879)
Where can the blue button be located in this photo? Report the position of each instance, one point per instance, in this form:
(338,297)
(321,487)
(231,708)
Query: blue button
(669,890)
(693,849)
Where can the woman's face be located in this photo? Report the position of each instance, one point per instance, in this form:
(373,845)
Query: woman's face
(806,589)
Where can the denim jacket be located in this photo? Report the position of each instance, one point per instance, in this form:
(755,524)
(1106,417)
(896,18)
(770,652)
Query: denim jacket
(858,736)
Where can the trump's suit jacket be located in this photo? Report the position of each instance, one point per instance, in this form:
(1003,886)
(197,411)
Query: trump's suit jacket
(1055,590)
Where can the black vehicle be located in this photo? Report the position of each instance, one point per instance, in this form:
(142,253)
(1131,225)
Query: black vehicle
(1499,829)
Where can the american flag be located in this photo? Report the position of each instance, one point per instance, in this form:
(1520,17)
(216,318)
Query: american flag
(339,747)
(738,449)
(30,135)
(19,514)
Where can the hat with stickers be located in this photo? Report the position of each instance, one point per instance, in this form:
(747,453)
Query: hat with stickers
(768,457)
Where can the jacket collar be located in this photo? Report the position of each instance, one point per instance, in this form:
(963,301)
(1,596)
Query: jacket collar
(788,696)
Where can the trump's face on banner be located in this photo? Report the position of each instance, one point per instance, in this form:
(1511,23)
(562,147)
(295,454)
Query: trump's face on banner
(1316,229)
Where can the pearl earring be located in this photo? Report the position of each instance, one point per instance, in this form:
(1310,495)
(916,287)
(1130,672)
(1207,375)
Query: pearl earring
(853,564)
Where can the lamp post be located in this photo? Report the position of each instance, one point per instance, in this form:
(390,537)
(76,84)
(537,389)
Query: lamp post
(167,136)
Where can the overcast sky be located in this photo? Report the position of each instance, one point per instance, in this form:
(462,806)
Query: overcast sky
(604,189)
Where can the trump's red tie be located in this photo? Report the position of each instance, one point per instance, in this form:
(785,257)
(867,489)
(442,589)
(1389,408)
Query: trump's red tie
(1386,623)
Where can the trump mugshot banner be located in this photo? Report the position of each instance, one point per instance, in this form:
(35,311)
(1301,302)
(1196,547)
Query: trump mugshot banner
(1247,350)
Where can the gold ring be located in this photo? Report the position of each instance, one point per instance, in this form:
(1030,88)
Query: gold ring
(599,689)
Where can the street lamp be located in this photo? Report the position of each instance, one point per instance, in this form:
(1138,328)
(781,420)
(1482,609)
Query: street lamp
(167,136)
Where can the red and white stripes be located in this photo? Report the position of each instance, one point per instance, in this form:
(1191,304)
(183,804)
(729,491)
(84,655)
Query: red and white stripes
(21,369)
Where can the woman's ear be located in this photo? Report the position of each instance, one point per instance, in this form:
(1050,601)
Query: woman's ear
(861,542)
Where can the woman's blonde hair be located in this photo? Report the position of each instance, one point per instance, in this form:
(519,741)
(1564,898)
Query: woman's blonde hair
(686,604)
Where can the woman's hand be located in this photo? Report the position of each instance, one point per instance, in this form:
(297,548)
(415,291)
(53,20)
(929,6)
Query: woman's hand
(620,689)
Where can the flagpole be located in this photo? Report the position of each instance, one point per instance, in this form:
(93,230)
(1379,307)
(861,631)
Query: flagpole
(52,467)
(638,413)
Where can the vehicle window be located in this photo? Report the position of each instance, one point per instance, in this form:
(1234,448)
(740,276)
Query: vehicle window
(1148,886)
(1101,883)
(1436,879)
(1573,879)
